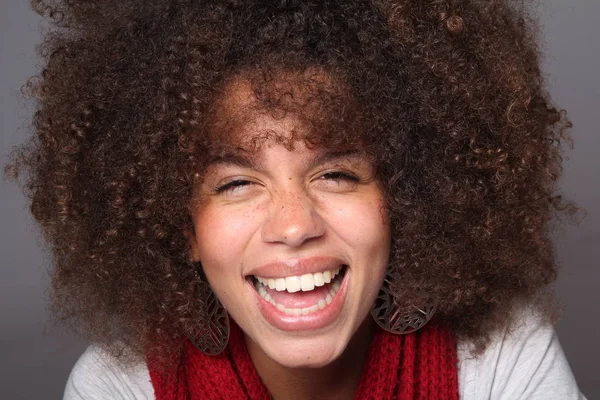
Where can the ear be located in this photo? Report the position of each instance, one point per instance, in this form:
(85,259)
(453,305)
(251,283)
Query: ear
(190,235)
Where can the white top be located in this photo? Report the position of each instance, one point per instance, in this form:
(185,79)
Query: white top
(527,364)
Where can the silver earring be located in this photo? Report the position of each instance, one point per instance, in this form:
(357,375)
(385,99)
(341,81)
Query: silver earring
(389,317)
(214,333)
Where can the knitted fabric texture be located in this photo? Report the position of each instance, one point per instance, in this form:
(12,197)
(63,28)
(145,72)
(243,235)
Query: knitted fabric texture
(421,365)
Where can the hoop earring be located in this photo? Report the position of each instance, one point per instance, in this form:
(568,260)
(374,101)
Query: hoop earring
(214,332)
(390,318)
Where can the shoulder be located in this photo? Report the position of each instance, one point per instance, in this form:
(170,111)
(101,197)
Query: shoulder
(98,375)
(525,362)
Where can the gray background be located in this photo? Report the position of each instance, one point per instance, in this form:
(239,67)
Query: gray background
(36,355)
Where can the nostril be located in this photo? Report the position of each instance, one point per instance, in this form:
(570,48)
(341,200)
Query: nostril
(292,223)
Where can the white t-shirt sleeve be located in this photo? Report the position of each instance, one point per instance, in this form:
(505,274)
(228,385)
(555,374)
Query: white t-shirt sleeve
(99,376)
(527,363)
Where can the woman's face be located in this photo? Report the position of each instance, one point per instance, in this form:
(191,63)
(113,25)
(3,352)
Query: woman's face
(294,242)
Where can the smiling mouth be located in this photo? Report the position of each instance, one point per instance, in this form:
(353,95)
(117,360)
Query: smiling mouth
(301,295)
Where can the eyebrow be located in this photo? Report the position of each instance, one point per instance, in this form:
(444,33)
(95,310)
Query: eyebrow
(332,156)
(235,159)
(240,160)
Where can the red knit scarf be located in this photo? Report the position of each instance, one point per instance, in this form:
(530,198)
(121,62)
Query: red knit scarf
(421,365)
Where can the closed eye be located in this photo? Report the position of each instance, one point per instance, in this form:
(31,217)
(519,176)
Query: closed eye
(337,181)
(232,185)
(340,175)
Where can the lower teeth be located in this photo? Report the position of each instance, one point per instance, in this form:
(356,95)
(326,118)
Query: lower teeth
(321,304)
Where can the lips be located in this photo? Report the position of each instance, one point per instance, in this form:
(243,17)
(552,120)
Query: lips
(300,294)
(309,299)
(306,282)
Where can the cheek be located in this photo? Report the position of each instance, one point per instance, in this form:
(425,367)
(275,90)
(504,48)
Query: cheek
(222,235)
(362,223)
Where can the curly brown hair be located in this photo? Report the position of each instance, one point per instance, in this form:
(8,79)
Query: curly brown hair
(446,95)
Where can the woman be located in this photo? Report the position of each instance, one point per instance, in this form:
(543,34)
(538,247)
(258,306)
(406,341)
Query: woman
(299,200)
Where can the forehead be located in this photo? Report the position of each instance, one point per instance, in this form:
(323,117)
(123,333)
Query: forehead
(309,158)
(277,89)
(283,107)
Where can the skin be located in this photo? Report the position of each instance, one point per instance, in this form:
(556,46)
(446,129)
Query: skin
(280,203)
(456,115)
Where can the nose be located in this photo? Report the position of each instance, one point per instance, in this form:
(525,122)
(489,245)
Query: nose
(292,220)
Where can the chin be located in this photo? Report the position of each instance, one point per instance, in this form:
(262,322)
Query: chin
(299,352)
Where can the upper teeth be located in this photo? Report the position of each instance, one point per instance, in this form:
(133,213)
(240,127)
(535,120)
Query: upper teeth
(304,282)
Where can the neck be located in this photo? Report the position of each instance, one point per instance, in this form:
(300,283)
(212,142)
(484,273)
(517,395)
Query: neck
(338,379)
